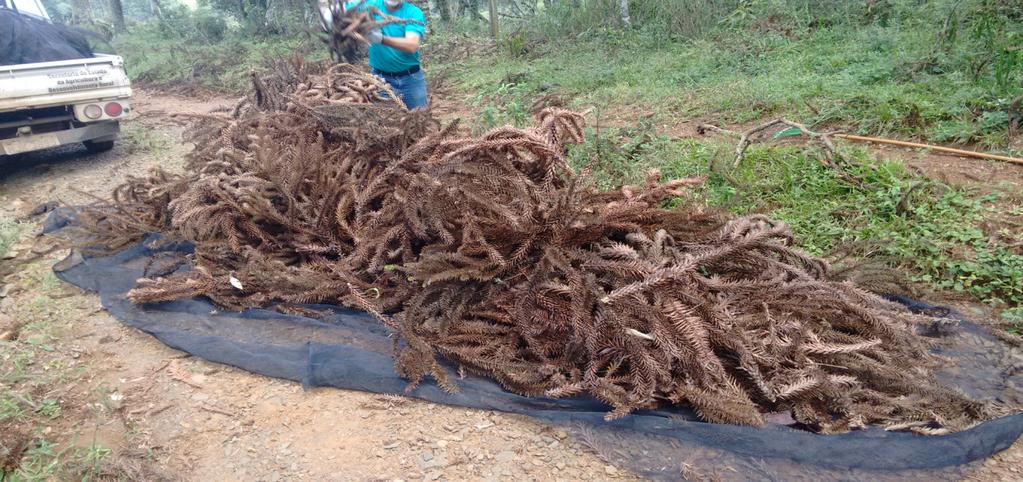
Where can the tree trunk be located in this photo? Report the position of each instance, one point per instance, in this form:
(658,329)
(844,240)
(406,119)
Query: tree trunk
(470,8)
(445,9)
(493,18)
(623,10)
(117,14)
(154,7)
(81,12)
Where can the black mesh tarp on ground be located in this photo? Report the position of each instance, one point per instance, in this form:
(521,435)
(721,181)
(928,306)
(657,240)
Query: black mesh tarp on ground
(26,40)
(349,349)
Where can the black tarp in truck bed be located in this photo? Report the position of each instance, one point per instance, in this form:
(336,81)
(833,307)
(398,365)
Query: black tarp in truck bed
(26,40)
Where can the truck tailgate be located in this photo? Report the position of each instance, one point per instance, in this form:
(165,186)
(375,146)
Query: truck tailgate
(63,82)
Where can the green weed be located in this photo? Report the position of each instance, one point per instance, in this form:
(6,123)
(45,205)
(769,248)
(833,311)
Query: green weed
(49,408)
(507,105)
(40,462)
(10,409)
(45,460)
(14,406)
(91,459)
(16,363)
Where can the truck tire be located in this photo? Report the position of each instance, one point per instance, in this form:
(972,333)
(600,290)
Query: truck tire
(95,147)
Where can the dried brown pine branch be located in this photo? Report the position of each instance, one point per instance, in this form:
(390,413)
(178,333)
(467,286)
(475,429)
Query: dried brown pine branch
(492,253)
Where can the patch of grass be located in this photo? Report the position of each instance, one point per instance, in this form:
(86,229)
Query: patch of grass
(142,138)
(33,367)
(506,105)
(45,460)
(10,408)
(40,462)
(15,406)
(886,79)
(49,408)
(40,279)
(51,283)
(16,362)
(926,229)
(9,232)
(90,459)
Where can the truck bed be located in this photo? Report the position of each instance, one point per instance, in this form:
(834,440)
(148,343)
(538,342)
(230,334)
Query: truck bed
(65,82)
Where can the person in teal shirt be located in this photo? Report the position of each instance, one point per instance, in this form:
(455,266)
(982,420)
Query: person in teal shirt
(394,50)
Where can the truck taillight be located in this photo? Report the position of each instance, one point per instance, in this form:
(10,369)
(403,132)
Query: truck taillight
(93,111)
(113,109)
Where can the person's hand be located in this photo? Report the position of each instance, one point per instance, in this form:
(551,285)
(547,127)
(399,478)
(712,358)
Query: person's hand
(375,37)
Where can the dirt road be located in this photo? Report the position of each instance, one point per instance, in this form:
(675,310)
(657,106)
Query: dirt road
(137,409)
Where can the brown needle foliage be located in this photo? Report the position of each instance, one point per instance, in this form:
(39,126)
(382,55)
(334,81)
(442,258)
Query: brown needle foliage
(491,253)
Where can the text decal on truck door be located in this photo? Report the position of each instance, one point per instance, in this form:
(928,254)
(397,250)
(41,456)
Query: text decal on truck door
(72,73)
(78,80)
(91,85)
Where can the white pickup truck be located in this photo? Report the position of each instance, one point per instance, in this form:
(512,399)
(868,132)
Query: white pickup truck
(49,104)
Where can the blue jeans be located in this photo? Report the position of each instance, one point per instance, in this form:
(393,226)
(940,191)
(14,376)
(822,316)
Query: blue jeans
(411,88)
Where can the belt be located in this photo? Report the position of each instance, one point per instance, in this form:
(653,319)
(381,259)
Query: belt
(397,74)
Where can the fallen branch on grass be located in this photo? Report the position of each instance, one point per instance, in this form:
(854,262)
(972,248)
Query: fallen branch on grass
(831,153)
(746,138)
(832,158)
(946,150)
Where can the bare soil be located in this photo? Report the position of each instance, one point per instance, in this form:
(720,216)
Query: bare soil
(170,416)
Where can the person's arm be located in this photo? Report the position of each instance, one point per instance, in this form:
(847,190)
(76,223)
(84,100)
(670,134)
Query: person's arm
(409,43)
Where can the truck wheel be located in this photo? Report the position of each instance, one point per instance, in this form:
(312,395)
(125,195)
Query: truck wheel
(95,147)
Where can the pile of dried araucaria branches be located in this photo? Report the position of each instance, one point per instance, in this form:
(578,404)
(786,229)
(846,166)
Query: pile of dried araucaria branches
(492,253)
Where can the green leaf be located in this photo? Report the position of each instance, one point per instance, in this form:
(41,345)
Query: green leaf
(791,131)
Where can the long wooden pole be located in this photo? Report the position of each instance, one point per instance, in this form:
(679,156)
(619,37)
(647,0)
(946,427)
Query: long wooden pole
(958,152)
(493,19)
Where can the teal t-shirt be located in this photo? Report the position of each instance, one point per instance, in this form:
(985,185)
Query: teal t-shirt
(387,59)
